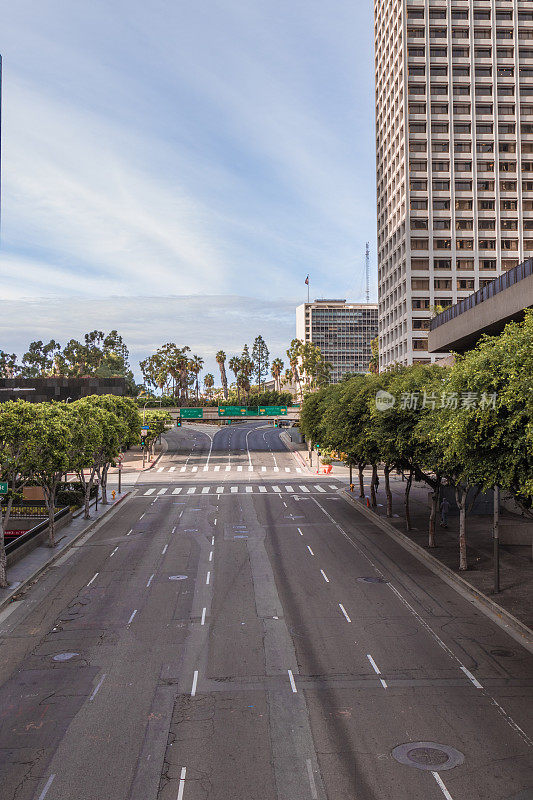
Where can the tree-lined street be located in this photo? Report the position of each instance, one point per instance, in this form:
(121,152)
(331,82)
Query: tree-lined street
(244,632)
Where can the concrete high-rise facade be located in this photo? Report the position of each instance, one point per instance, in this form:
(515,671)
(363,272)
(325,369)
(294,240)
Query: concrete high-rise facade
(342,330)
(454,133)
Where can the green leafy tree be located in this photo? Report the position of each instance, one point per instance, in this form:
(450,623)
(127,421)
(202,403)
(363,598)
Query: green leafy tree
(8,365)
(38,361)
(260,359)
(276,372)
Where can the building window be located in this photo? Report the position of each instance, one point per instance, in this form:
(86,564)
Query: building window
(464,284)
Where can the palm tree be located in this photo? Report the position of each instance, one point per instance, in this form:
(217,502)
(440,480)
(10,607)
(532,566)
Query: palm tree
(276,370)
(209,382)
(221,359)
(235,366)
(195,366)
(183,369)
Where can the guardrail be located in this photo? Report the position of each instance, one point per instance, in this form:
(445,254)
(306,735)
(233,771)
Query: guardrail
(498,285)
(23,538)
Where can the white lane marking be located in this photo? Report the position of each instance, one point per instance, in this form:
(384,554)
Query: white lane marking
(203,616)
(332,486)
(131,618)
(194,469)
(194,683)
(344,612)
(174,529)
(239,469)
(205,490)
(441,785)
(182,783)
(234,489)
(191,490)
(376,670)
(289,489)
(160,469)
(163,491)
(114,551)
(299,531)
(150,579)
(183,469)
(472,678)
(310,550)
(314,793)
(319,488)
(291,679)
(211,556)
(215,521)
(212,540)
(149,491)
(285,504)
(171,469)
(142,515)
(510,721)
(324,575)
(276,489)
(262,489)
(304,488)
(97,687)
(220,490)
(164,550)
(130,531)
(249,489)
(217,468)
(46,787)
(208,577)
(96,574)
(178,490)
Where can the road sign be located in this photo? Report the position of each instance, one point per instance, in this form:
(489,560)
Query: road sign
(232,411)
(272,411)
(4,488)
(145,430)
(191,413)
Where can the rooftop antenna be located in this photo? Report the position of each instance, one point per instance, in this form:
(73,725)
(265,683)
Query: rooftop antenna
(367,272)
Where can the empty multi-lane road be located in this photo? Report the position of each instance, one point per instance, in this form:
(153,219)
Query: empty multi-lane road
(236,630)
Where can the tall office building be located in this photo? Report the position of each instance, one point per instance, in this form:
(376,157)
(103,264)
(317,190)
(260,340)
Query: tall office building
(454,131)
(342,330)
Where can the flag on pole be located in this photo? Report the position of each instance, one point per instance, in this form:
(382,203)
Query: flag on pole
(307,281)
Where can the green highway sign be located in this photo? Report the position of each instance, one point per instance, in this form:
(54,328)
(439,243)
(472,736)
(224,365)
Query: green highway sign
(233,411)
(252,411)
(272,411)
(191,413)
(4,488)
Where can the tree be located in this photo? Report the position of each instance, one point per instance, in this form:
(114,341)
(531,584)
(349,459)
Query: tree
(209,382)
(195,367)
(221,361)
(88,429)
(235,366)
(38,361)
(51,451)
(260,359)
(373,365)
(293,354)
(16,420)
(8,365)
(276,372)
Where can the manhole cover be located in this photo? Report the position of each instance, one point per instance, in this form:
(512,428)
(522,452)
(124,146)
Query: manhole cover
(372,580)
(428,756)
(499,651)
(178,578)
(65,656)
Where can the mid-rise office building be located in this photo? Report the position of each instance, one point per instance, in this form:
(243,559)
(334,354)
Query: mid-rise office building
(454,132)
(342,330)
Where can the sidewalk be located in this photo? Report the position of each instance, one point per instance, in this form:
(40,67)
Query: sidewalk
(133,460)
(23,572)
(516,566)
(298,449)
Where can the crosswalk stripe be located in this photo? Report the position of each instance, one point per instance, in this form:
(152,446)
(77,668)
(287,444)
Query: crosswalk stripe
(162,491)
(289,489)
(234,489)
(160,469)
(228,467)
(332,486)
(250,468)
(319,488)
(183,469)
(239,469)
(304,488)
(205,490)
(262,488)
(263,469)
(287,469)
(206,468)
(191,490)
(298,469)
(276,488)
(217,468)
(171,469)
(149,491)
(194,469)
(177,491)
(276,469)
(249,489)
(220,489)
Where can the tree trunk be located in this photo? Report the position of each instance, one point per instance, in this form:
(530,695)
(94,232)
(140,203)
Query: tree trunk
(360,468)
(103,484)
(373,486)
(87,503)
(3,557)
(433,514)
(388,491)
(406,501)
(460,496)
(351,475)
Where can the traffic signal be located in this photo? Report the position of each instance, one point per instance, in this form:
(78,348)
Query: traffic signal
(178,423)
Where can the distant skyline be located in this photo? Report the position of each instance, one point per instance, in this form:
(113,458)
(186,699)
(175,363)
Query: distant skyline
(180,170)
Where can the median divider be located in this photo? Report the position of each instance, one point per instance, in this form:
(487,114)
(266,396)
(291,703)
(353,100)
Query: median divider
(520,632)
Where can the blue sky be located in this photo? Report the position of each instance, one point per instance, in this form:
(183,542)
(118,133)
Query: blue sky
(175,169)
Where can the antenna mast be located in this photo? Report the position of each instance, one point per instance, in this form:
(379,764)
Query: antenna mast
(367,272)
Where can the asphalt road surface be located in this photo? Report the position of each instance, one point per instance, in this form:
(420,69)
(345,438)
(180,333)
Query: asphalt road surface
(237,631)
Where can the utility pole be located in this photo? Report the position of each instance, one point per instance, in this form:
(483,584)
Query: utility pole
(367,272)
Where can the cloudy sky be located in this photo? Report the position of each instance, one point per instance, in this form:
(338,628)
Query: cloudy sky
(175,169)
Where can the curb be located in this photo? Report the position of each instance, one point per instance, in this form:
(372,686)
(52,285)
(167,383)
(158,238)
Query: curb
(295,453)
(35,574)
(497,613)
